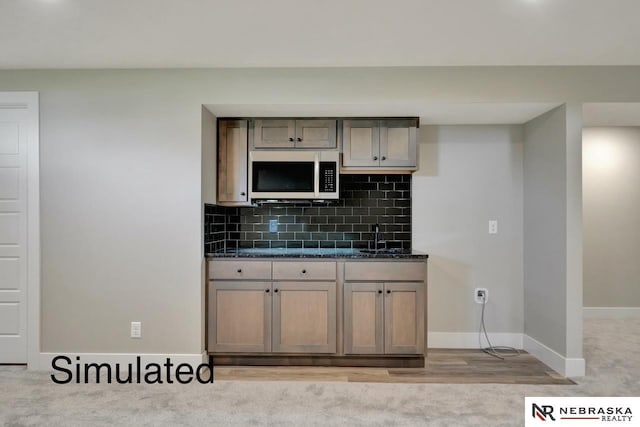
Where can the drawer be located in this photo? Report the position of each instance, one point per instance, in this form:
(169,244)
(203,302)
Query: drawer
(240,269)
(384,271)
(304,270)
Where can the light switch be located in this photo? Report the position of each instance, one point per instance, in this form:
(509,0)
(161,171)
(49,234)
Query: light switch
(493,226)
(136,329)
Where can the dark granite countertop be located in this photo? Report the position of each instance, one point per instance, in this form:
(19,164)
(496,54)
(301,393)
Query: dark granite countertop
(316,253)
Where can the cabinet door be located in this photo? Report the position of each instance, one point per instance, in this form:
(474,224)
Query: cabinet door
(316,134)
(361,143)
(398,143)
(239,317)
(274,134)
(403,318)
(304,317)
(363,315)
(232,161)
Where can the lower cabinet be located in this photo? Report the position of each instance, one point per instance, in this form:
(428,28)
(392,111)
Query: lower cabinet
(239,316)
(271,317)
(304,317)
(383,318)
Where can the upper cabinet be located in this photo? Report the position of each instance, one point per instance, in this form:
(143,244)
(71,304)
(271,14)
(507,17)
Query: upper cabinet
(380,144)
(232,162)
(292,134)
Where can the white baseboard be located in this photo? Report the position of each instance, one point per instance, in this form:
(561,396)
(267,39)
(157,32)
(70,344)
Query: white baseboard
(46,359)
(611,312)
(569,367)
(470,340)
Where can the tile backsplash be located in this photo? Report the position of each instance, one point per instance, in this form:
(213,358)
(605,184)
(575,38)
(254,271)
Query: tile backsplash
(365,200)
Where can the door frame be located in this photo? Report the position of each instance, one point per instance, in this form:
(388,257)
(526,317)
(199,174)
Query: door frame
(29,101)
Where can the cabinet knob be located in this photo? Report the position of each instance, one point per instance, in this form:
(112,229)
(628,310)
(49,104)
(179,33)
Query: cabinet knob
(243,194)
(379,291)
(304,271)
(266,290)
(239,270)
(291,139)
(275,290)
(375,157)
(388,291)
(383,158)
(299,139)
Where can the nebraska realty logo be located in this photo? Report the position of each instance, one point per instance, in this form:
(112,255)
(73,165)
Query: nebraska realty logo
(581,411)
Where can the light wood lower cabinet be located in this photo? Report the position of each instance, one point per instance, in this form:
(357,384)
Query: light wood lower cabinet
(403,318)
(239,316)
(363,318)
(304,317)
(383,318)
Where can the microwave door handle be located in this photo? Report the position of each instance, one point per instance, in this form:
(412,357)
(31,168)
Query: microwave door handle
(316,176)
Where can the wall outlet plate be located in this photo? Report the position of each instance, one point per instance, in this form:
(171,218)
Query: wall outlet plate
(478,295)
(273,225)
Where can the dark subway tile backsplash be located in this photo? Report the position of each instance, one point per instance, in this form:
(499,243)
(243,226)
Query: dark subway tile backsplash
(365,200)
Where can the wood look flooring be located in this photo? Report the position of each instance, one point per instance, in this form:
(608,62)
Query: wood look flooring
(443,366)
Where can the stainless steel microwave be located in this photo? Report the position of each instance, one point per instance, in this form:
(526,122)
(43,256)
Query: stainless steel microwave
(299,174)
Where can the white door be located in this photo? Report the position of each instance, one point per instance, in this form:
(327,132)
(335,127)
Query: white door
(14,132)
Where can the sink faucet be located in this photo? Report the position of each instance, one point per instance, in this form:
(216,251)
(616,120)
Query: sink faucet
(377,241)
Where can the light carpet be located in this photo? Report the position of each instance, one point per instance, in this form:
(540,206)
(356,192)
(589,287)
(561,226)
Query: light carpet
(30,398)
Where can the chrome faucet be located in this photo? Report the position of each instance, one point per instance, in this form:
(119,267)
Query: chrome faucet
(376,237)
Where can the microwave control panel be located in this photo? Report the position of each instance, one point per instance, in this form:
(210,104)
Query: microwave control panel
(328,177)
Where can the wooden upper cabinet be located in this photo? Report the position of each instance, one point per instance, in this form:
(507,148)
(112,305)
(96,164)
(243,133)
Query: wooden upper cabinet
(304,317)
(363,318)
(404,318)
(292,134)
(239,316)
(380,144)
(316,134)
(274,133)
(361,143)
(232,161)
(398,143)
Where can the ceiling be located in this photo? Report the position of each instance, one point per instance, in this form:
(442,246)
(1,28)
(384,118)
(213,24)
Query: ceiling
(429,113)
(304,33)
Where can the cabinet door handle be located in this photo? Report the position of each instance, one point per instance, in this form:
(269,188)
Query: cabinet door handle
(388,291)
(243,194)
(239,270)
(304,271)
(275,290)
(299,139)
(383,158)
(291,139)
(375,157)
(266,290)
(379,291)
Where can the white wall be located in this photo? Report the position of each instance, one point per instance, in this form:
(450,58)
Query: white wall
(611,174)
(121,192)
(553,233)
(469,175)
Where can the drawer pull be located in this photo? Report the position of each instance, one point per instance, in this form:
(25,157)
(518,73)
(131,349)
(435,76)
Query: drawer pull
(239,270)
(304,271)
(266,290)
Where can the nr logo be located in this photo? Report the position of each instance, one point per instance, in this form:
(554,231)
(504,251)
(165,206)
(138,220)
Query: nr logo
(542,412)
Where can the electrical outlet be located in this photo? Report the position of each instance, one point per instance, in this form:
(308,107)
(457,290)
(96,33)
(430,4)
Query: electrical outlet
(273,225)
(493,226)
(481,295)
(136,329)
